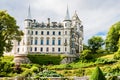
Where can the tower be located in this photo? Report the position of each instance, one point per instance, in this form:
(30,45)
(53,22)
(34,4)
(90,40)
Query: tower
(67,21)
(27,31)
(28,20)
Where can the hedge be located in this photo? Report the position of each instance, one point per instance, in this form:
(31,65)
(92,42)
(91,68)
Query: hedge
(43,59)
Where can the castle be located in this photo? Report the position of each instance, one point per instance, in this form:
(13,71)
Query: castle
(51,37)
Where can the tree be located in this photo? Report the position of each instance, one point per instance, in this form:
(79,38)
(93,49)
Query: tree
(95,43)
(8,32)
(113,38)
(97,74)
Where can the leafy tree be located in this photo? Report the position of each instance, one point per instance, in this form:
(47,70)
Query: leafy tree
(95,43)
(85,47)
(8,32)
(97,74)
(113,38)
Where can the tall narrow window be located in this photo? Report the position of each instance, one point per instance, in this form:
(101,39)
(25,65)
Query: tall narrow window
(53,42)
(59,41)
(47,32)
(35,48)
(18,43)
(53,49)
(30,48)
(41,49)
(28,32)
(36,32)
(31,42)
(59,33)
(53,32)
(58,49)
(36,41)
(18,50)
(42,42)
(42,33)
(31,32)
(47,49)
(65,49)
(47,41)
(65,32)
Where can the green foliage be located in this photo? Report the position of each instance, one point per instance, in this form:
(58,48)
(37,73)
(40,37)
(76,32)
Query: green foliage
(6,58)
(95,43)
(97,75)
(5,68)
(104,61)
(47,73)
(80,72)
(112,78)
(86,55)
(8,32)
(45,59)
(113,37)
(117,55)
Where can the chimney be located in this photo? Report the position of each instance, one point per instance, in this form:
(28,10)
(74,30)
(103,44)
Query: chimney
(48,21)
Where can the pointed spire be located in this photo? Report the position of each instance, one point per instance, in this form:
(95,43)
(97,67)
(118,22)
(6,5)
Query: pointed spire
(67,17)
(75,16)
(29,13)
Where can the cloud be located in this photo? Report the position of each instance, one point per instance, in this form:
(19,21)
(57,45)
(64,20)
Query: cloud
(96,15)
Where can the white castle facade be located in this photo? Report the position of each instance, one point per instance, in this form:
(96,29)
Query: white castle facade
(51,37)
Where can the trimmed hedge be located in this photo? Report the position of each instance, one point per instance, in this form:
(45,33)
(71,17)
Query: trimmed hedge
(43,59)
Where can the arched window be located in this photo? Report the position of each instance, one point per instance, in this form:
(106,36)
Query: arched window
(59,33)
(53,41)
(36,40)
(59,41)
(42,41)
(47,41)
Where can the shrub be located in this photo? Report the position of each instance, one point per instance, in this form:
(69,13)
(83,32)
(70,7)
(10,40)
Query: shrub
(43,59)
(86,54)
(97,74)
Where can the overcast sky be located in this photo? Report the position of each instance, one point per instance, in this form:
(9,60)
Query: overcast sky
(96,15)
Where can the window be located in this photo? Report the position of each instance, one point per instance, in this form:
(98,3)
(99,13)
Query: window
(47,49)
(47,42)
(53,32)
(59,33)
(42,42)
(58,49)
(65,24)
(41,49)
(36,32)
(47,32)
(42,33)
(18,43)
(59,42)
(30,48)
(35,48)
(53,42)
(18,50)
(53,49)
(65,32)
(32,33)
(31,42)
(65,49)
(28,32)
(36,41)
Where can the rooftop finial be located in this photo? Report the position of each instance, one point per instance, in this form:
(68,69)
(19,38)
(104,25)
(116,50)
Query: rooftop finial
(29,13)
(67,17)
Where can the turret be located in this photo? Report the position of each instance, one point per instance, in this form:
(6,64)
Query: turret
(67,21)
(28,20)
(75,19)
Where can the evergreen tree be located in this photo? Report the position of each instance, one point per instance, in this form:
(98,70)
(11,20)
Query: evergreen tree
(97,74)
